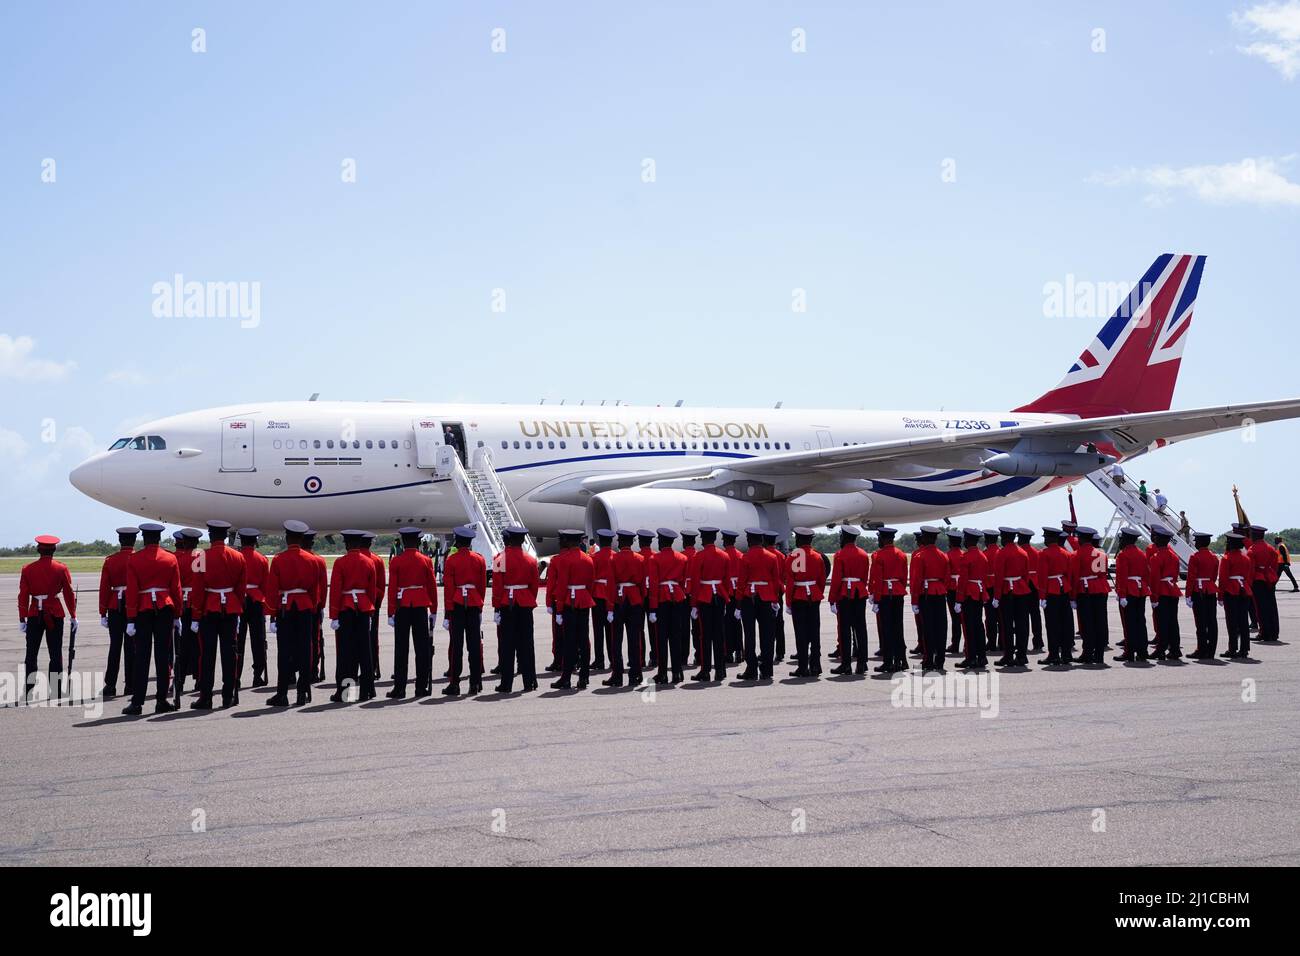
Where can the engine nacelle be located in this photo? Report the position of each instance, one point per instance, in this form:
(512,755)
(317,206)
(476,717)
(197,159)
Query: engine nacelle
(1045,464)
(633,508)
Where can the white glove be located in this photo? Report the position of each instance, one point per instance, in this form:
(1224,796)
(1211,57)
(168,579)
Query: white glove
(835,609)
(446,624)
(272,625)
(957,608)
(776,608)
(1123,602)
(194,626)
(130,629)
(654,618)
(695,613)
(1074,605)
(392,620)
(559,619)
(1187,601)
(334,625)
(176,628)
(737,614)
(875,608)
(22,626)
(995,604)
(916,609)
(496,617)
(103,621)
(1042,605)
(551,610)
(610,617)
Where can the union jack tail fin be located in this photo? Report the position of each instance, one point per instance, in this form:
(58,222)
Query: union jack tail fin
(1132,364)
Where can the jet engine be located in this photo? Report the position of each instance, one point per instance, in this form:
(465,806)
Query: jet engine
(633,508)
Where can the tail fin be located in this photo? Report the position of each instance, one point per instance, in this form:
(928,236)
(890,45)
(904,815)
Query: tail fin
(1132,364)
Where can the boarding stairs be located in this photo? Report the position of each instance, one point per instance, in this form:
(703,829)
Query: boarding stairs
(1130,510)
(488,505)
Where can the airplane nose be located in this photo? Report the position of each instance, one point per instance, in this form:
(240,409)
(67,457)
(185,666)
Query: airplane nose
(88,477)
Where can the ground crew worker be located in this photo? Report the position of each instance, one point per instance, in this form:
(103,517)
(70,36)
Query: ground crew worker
(354,588)
(1264,583)
(412,611)
(1284,562)
(1011,573)
(153,595)
(778,625)
(44,592)
(257,604)
(573,581)
(709,574)
(972,594)
(321,602)
(112,614)
(759,598)
(1133,585)
(849,588)
(1025,539)
(1202,596)
(293,585)
(514,597)
(888,585)
(1165,593)
(185,636)
(992,619)
(1235,570)
(669,608)
(464,583)
(928,581)
(1053,587)
(1091,587)
(217,601)
(730,619)
(954,553)
(381,581)
(603,556)
(628,577)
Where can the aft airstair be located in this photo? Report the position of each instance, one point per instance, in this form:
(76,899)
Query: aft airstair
(488,504)
(1130,509)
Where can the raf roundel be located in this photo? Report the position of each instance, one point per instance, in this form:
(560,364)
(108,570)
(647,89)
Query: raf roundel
(312,485)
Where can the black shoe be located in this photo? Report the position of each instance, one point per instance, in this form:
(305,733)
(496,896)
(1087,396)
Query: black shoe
(260,681)
(278,700)
(842,669)
(954,649)
(678,677)
(613,681)
(747,674)
(1050,661)
(562,684)
(503,688)
(422,692)
(164,706)
(635,680)
(1124,659)
(110,693)
(452,689)
(132,710)
(336,697)
(702,676)
(530,685)
(963,665)
(1004,662)
(799,672)
(661,678)
(884,668)
(203,703)
(396,694)
(475,687)
(582,683)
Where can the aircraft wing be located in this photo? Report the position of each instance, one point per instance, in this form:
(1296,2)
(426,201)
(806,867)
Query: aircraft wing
(838,468)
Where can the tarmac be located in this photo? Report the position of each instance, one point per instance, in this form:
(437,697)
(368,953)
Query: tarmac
(1174,764)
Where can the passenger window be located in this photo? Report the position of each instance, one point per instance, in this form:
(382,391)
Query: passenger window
(369,444)
(562,445)
(550,444)
(516,443)
(356,443)
(329,443)
(504,444)
(276,443)
(316,443)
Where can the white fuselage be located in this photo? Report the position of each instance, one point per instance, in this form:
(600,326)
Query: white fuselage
(361,464)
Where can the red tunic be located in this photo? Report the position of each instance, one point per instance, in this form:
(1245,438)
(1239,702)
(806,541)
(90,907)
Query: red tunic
(256,566)
(1132,573)
(1202,572)
(1054,574)
(381,577)
(292,581)
(353,584)
(112,580)
(604,559)
(667,577)
(516,580)
(805,576)
(1164,568)
(464,579)
(1234,573)
(709,575)
(974,582)
(760,575)
(153,580)
(1011,571)
(572,581)
(928,573)
(40,586)
(888,572)
(850,574)
(218,586)
(628,576)
(1088,567)
(411,581)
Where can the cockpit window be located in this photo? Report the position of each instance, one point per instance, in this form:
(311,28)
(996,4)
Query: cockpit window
(138,443)
(120,443)
(156,443)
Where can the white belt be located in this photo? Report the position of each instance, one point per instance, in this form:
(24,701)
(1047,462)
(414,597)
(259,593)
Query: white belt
(889,582)
(713,585)
(222,591)
(353,592)
(1168,580)
(733,583)
(120,591)
(955,577)
(1237,577)
(252,587)
(623,585)
(1059,578)
(153,593)
(510,589)
(1085,579)
(1137,577)
(979,582)
(669,585)
(185,592)
(1200,582)
(806,585)
(850,580)
(756,584)
(574,588)
(466,588)
(40,600)
(598,581)
(1010,580)
(284,594)
(925,582)
(411,587)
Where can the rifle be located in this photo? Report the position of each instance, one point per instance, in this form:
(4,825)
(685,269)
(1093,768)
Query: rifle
(72,656)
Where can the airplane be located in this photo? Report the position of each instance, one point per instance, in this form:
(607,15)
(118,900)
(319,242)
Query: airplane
(382,465)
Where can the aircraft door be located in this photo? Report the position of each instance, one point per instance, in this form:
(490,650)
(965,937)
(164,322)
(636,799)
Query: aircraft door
(237,444)
(428,439)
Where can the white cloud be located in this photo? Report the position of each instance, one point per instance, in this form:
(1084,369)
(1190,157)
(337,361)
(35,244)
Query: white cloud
(126,376)
(12,445)
(36,464)
(1259,181)
(17,363)
(1275,28)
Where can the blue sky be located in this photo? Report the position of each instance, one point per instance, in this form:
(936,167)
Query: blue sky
(522,171)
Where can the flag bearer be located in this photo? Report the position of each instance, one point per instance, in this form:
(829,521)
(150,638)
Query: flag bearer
(1264,558)
(412,609)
